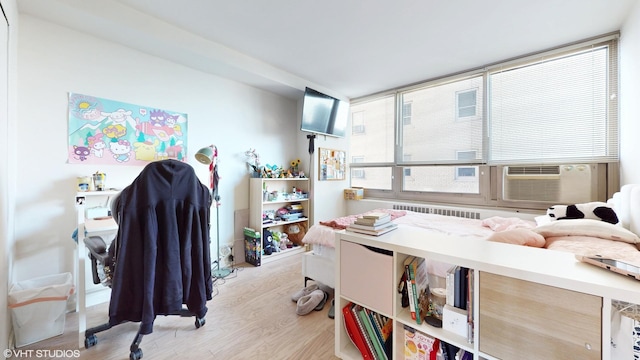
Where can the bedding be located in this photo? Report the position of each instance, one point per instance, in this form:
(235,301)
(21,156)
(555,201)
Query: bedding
(590,237)
(318,264)
(583,236)
(324,233)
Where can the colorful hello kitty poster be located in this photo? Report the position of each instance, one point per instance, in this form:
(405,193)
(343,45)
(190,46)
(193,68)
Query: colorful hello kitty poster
(107,132)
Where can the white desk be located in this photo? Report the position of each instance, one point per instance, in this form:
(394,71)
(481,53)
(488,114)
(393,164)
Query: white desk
(84,200)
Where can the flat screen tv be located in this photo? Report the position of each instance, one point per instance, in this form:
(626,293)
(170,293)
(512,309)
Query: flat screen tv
(324,114)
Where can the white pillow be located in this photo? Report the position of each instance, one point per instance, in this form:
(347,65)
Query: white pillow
(587,227)
(542,220)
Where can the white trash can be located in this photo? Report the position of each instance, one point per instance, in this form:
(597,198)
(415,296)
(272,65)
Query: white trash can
(38,307)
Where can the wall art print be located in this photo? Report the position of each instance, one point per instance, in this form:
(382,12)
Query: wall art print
(331,164)
(108,132)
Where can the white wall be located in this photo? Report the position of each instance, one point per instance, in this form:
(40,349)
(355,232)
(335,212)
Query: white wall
(629,96)
(54,60)
(7,165)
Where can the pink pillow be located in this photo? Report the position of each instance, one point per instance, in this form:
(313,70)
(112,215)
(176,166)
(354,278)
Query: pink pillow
(519,236)
(498,223)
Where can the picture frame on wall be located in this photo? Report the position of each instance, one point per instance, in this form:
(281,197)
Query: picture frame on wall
(331,164)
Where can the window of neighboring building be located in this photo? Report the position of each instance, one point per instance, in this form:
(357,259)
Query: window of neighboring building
(357,123)
(466,104)
(406,113)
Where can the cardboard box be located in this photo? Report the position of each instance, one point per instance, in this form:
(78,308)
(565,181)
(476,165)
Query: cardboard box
(252,247)
(354,194)
(417,346)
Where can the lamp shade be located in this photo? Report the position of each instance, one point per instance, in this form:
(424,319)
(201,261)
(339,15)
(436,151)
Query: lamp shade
(205,155)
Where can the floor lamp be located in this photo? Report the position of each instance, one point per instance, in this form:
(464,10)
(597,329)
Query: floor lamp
(209,156)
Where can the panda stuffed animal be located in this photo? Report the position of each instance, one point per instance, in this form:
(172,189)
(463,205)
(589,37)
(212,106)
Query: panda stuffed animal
(592,210)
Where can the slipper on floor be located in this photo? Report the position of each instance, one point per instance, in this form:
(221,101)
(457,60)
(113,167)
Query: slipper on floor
(320,306)
(303,292)
(308,303)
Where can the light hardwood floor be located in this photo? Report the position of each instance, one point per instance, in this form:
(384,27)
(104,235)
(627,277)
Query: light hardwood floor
(251,316)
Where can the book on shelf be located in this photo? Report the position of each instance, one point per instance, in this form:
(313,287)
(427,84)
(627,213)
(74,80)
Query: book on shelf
(295,207)
(383,327)
(465,355)
(450,285)
(380,354)
(375,324)
(387,328)
(420,282)
(410,287)
(377,232)
(355,310)
(470,295)
(449,351)
(354,332)
(419,346)
(460,287)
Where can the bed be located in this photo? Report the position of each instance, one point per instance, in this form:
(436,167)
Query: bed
(318,263)
(579,236)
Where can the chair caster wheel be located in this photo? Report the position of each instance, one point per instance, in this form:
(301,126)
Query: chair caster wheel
(200,323)
(136,355)
(90,341)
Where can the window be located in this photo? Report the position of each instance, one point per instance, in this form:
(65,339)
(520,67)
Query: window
(407,170)
(466,104)
(448,136)
(406,113)
(556,108)
(466,173)
(435,134)
(357,173)
(357,123)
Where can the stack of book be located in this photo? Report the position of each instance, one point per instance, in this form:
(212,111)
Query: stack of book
(369,331)
(373,224)
(458,311)
(418,287)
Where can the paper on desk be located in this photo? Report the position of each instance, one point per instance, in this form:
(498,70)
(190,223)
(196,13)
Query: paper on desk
(100,225)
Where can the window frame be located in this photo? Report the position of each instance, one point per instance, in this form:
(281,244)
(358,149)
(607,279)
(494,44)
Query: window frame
(488,175)
(475,115)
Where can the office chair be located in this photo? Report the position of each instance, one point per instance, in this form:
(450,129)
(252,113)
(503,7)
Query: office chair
(159,260)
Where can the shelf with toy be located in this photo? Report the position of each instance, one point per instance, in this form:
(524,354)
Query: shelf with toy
(280,205)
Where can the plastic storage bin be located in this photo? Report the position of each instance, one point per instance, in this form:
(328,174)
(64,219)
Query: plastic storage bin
(38,307)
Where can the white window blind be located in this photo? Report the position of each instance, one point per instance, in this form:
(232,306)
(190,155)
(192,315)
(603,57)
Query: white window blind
(556,109)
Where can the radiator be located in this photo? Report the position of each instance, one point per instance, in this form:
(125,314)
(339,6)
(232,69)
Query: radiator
(438,211)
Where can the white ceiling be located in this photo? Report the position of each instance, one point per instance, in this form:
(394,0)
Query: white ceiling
(348,48)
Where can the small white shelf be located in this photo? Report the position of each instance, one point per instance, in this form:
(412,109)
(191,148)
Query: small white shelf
(284,201)
(282,222)
(257,207)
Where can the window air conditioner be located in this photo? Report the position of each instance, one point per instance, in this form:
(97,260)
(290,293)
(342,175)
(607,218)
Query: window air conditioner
(560,184)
